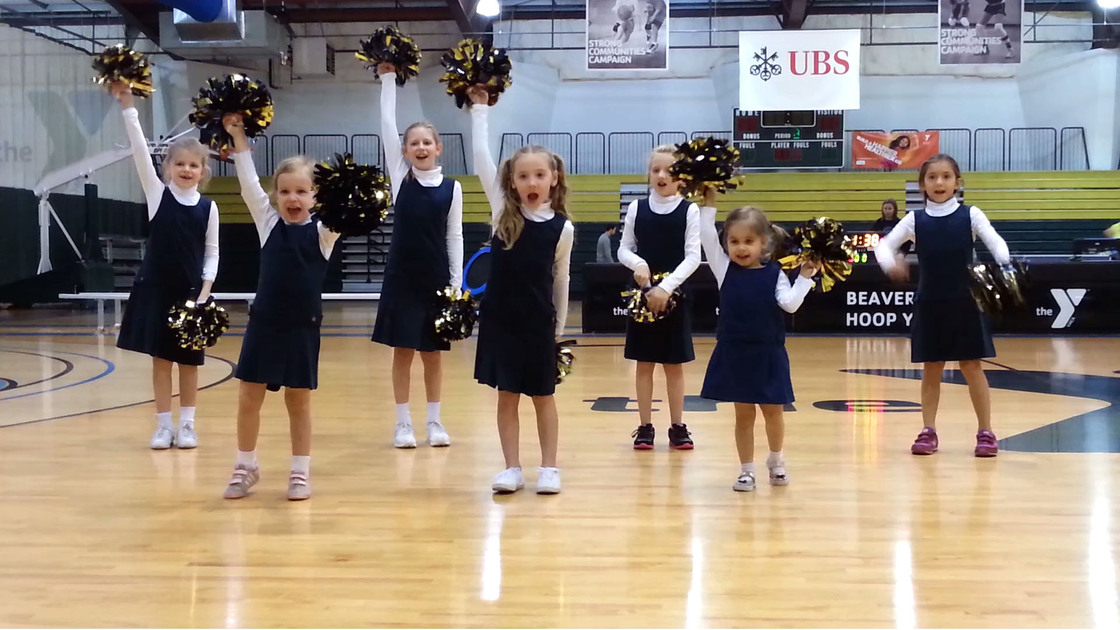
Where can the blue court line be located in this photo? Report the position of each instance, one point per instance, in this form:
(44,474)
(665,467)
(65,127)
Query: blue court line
(124,406)
(109,367)
(67,367)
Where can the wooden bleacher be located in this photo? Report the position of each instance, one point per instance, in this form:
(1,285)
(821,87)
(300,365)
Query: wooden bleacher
(791,197)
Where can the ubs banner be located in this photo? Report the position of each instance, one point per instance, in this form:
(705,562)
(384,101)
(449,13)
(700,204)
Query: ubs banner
(1062,298)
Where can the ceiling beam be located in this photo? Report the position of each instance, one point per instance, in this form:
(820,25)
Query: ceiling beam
(61,19)
(147,22)
(793,13)
(469,21)
(306,16)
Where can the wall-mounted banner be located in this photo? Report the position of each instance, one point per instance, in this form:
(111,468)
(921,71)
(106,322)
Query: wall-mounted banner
(888,151)
(798,70)
(980,31)
(627,34)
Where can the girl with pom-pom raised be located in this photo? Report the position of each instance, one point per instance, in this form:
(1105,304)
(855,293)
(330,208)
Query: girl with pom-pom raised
(661,235)
(425,255)
(526,301)
(749,365)
(180,264)
(281,346)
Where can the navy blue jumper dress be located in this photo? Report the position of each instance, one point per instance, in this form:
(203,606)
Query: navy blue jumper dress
(281,347)
(517,318)
(749,363)
(947,326)
(417,268)
(660,239)
(170,274)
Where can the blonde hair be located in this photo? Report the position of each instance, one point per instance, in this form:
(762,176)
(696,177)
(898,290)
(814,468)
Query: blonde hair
(756,221)
(665,149)
(509,223)
(422,125)
(193,146)
(294,164)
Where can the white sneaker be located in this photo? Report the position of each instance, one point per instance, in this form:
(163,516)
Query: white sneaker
(162,439)
(186,437)
(509,480)
(745,483)
(549,481)
(437,435)
(403,437)
(777,473)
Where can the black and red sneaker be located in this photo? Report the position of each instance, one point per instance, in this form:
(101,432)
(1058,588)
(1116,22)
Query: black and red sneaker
(643,437)
(679,437)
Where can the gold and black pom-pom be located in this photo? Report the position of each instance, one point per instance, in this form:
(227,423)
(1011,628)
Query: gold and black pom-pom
(353,198)
(998,288)
(473,63)
(197,327)
(637,304)
(389,45)
(823,241)
(457,314)
(231,94)
(565,358)
(705,163)
(121,63)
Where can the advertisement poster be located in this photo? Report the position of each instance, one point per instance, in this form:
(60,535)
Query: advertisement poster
(627,34)
(980,32)
(877,150)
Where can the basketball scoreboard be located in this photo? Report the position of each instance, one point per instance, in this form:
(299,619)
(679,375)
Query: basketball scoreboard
(789,139)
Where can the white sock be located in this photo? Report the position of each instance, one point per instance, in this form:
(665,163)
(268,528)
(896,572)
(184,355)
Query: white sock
(186,415)
(301,463)
(164,420)
(403,416)
(746,468)
(248,459)
(775,459)
(433,412)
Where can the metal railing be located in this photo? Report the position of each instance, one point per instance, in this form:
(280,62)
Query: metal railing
(627,152)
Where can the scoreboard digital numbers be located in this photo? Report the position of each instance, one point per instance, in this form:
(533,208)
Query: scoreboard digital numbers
(789,139)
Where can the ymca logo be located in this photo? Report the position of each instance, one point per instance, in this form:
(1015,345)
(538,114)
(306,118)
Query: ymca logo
(1067,300)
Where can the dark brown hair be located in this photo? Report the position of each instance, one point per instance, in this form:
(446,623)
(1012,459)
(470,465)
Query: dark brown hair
(756,222)
(940,157)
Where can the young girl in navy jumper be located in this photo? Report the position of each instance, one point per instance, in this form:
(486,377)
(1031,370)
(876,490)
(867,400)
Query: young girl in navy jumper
(661,234)
(425,255)
(947,324)
(526,300)
(749,365)
(180,264)
(281,346)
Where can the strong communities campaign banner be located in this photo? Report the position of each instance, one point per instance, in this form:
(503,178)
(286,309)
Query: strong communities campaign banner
(798,70)
(627,34)
(881,150)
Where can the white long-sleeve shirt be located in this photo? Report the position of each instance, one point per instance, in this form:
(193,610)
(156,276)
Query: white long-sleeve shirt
(398,169)
(264,215)
(153,191)
(789,297)
(628,248)
(488,172)
(887,249)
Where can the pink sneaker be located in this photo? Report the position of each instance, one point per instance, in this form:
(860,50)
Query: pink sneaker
(986,444)
(926,444)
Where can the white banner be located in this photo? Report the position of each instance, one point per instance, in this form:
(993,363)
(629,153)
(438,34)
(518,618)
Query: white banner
(798,70)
